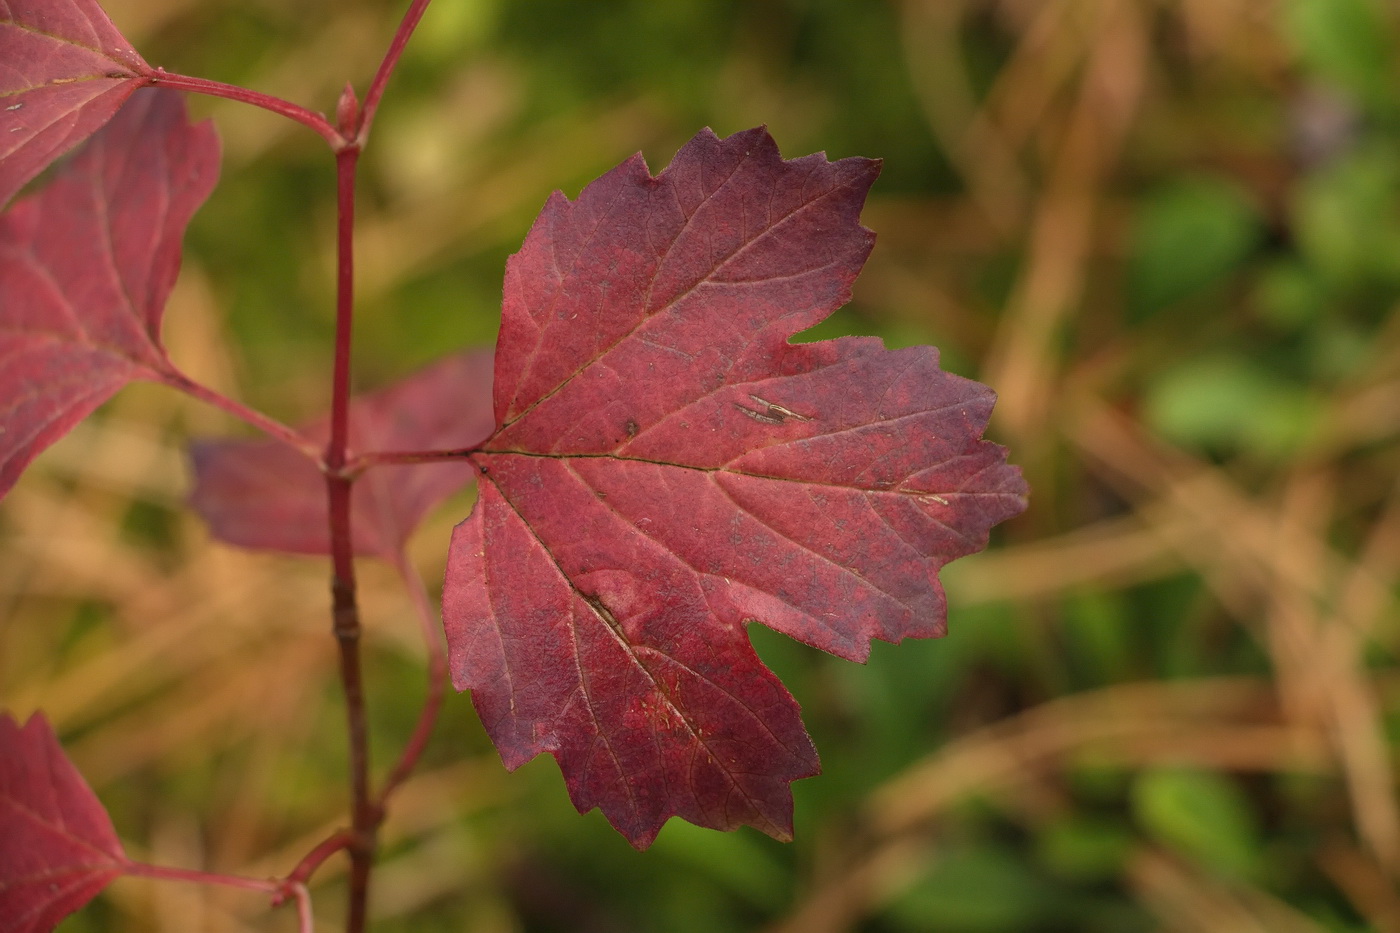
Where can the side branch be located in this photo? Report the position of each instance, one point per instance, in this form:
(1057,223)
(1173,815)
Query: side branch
(437,680)
(386,67)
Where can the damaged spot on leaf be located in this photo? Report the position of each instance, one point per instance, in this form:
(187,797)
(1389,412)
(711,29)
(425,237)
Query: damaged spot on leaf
(771,413)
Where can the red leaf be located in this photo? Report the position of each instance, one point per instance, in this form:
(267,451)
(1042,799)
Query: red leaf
(57,845)
(263,494)
(668,467)
(86,265)
(64,70)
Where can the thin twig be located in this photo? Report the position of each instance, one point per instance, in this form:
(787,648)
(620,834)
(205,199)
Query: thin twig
(306,920)
(386,67)
(437,676)
(313,860)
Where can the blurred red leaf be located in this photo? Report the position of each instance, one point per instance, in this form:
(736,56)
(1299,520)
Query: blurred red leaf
(57,845)
(86,265)
(64,70)
(668,467)
(263,494)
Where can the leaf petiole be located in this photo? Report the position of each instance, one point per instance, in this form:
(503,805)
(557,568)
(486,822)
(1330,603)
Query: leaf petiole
(309,118)
(358,464)
(268,425)
(279,890)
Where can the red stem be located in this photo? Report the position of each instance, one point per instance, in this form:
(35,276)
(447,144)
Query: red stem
(270,426)
(286,108)
(306,919)
(278,889)
(437,678)
(346,162)
(317,856)
(397,457)
(386,67)
(168,873)
(365,814)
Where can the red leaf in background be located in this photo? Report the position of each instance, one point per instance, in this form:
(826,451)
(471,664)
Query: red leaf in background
(86,265)
(64,70)
(263,494)
(668,468)
(57,845)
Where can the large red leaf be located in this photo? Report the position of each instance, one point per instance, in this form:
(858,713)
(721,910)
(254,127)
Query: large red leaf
(668,467)
(263,494)
(64,70)
(57,845)
(86,265)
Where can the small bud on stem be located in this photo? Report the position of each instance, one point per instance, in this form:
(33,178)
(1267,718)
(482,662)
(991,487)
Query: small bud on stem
(347,112)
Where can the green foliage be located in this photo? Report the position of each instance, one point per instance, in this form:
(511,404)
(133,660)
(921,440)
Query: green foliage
(1085,849)
(1202,815)
(1189,235)
(1231,403)
(1349,42)
(977,888)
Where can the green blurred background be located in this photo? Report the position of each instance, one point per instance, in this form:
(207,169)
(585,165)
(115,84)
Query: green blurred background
(1167,232)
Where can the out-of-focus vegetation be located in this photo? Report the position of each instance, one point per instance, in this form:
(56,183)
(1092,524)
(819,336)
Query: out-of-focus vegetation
(1166,231)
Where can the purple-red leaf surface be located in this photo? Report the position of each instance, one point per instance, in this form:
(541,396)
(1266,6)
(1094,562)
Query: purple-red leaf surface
(264,494)
(86,264)
(57,845)
(667,467)
(64,70)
